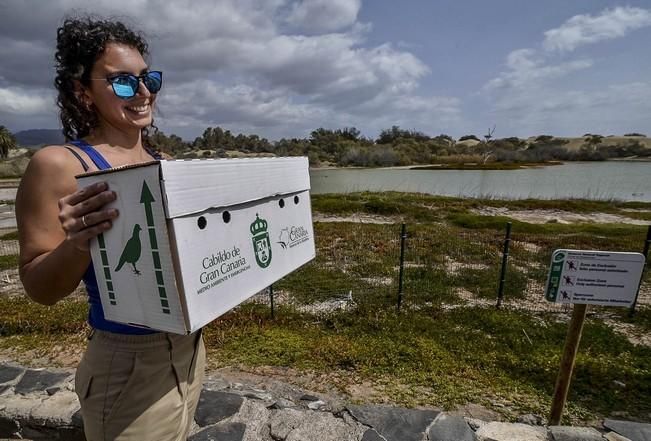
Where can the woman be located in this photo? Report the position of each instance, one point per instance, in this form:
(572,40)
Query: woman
(132,383)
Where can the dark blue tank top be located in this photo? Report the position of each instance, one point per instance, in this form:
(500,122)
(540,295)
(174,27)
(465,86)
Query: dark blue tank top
(95,311)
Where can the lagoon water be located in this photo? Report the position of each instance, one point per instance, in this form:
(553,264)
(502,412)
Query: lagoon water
(626,181)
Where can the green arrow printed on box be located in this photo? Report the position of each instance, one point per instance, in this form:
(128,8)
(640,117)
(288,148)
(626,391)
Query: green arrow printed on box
(147,199)
(107,269)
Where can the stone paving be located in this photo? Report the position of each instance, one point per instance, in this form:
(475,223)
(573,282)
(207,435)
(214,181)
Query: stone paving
(39,404)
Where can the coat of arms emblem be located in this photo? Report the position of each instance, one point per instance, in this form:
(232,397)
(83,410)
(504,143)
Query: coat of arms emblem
(261,242)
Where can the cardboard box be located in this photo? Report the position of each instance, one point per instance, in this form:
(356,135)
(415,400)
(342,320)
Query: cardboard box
(196,238)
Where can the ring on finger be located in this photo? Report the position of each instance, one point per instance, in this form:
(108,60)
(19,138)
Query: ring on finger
(83,221)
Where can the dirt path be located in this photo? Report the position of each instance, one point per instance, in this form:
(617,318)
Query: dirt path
(541,216)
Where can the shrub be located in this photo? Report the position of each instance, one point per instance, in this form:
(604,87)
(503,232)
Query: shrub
(466,137)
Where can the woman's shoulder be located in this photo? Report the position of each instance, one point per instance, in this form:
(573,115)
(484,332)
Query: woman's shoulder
(50,175)
(55,157)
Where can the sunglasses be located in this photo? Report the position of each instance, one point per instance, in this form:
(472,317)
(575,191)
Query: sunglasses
(126,86)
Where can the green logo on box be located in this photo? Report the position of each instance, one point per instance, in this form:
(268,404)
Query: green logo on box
(261,242)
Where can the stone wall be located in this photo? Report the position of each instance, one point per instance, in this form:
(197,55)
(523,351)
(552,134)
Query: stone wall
(40,404)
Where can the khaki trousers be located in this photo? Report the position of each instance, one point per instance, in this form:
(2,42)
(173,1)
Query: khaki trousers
(140,387)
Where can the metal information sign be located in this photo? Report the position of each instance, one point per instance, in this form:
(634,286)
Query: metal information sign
(594,277)
(587,278)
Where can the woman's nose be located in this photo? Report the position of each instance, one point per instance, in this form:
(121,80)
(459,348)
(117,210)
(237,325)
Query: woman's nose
(142,89)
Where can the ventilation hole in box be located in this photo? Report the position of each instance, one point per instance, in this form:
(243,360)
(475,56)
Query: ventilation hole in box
(296,199)
(281,203)
(226,216)
(201,222)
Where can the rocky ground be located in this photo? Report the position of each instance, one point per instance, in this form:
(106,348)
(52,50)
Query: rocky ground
(40,404)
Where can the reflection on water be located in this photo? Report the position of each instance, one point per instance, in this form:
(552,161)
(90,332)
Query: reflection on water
(626,181)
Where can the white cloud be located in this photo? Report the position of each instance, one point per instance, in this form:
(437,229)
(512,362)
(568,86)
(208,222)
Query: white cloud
(541,90)
(277,113)
(17,102)
(585,29)
(211,104)
(528,69)
(317,16)
(281,66)
(617,108)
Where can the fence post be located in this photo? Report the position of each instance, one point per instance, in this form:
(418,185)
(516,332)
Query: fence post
(403,237)
(645,251)
(271,299)
(505,258)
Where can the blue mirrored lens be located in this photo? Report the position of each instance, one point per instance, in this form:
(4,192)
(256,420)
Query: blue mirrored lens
(125,86)
(153,81)
(123,90)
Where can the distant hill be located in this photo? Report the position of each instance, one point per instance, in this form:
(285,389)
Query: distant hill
(576,143)
(35,138)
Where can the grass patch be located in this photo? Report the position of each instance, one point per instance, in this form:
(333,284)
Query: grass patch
(10,236)
(442,358)
(426,357)
(8,262)
(645,216)
(21,316)
(314,284)
(422,207)
(477,221)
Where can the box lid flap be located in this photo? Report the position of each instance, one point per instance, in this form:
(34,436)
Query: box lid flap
(192,186)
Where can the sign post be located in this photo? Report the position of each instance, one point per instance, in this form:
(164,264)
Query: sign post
(585,278)
(567,363)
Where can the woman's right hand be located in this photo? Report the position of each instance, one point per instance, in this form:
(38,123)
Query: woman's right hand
(83,216)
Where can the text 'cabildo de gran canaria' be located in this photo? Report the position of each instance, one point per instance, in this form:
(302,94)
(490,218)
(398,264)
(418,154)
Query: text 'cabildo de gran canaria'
(220,267)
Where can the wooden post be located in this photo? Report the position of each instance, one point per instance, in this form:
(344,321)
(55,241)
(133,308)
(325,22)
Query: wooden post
(645,252)
(567,363)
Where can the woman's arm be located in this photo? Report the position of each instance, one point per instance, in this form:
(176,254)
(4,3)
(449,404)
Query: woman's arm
(54,251)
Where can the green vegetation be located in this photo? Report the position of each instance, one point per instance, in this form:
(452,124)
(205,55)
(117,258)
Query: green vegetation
(7,141)
(8,262)
(445,358)
(13,235)
(429,357)
(418,207)
(396,146)
(392,147)
(448,345)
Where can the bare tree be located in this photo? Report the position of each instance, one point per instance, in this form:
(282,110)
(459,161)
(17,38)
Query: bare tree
(488,138)
(489,135)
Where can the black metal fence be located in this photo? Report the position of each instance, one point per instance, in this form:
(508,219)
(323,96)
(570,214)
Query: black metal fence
(413,266)
(409,267)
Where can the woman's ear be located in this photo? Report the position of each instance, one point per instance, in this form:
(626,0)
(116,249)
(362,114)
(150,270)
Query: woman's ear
(83,96)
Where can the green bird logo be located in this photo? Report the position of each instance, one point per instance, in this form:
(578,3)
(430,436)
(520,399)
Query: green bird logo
(131,252)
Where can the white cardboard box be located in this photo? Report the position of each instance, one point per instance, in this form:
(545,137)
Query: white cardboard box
(196,238)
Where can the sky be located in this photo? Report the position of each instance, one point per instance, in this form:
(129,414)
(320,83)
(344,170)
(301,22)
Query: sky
(282,68)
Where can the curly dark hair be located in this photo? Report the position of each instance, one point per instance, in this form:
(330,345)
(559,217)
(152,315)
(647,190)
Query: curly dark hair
(80,42)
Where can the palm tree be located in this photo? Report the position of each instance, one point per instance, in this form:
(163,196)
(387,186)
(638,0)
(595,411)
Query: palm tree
(7,141)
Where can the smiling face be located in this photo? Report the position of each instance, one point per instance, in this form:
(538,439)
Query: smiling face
(128,115)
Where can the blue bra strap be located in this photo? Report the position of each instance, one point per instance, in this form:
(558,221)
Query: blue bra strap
(93,154)
(98,159)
